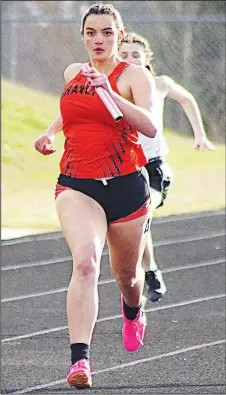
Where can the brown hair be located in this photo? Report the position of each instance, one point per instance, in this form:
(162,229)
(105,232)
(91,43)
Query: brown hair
(103,9)
(131,38)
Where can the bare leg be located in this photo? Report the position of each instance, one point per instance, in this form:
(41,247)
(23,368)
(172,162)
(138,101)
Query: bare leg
(126,245)
(84,226)
(148,256)
(153,276)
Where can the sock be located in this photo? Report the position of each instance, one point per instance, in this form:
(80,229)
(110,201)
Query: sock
(149,272)
(79,351)
(131,312)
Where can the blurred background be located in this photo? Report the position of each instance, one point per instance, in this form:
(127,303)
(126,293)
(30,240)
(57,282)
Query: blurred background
(41,38)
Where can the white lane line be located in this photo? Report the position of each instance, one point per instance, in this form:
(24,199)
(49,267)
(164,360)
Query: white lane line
(105,252)
(188,239)
(50,292)
(128,364)
(29,239)
(175,218)
(168,306)
(114,317)
(164,355)
(194,266)
(110,281)
(34,334)
(156,220)
(35,264)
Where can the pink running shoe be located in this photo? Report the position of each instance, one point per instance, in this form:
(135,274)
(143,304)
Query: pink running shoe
(80,375)
(133,331)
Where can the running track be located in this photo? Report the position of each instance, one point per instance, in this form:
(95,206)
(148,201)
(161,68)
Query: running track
(184,348)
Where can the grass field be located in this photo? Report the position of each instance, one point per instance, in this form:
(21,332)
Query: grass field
(28,178)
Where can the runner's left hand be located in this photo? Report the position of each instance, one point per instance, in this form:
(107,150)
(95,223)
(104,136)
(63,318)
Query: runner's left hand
(96,79)
(202,143)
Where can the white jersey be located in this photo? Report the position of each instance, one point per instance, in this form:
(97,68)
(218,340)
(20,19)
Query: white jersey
(157,146)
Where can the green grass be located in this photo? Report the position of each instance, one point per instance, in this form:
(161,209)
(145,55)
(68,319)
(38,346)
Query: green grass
(28,178)
(199,177)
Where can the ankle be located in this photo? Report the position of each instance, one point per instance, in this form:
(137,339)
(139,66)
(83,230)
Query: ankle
(131,313)
(79,351)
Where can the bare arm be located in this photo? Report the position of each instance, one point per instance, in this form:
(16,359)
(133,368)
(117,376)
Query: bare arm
(191,109)
(55,127)
(140,115)
(43,143)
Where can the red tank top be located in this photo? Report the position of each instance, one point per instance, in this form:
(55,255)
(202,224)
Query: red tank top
(96,146)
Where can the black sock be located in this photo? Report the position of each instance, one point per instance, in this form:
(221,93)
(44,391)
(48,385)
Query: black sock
(131,312)
(79,351)
(148,273)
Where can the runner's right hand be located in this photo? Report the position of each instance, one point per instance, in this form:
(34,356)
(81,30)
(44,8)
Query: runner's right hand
(43,144)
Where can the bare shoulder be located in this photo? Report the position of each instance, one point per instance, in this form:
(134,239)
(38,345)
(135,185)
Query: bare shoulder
(136,73)
(71,71)
(164,81)
(170,88)
(134,69)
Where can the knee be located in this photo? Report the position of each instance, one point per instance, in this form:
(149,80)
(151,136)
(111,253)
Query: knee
(86,263)
(126,279)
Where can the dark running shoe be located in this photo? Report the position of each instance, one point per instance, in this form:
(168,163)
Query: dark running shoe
(155,285)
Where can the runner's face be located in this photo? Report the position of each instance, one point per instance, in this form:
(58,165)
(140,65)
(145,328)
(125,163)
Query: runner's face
(133,53)
(100,37)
